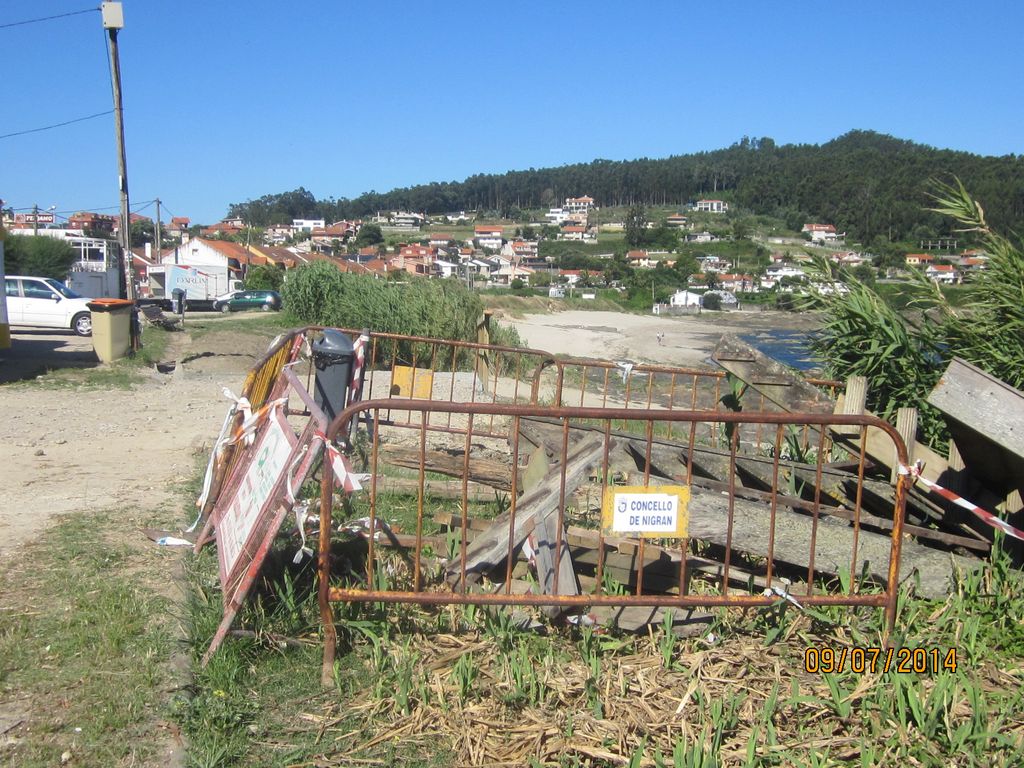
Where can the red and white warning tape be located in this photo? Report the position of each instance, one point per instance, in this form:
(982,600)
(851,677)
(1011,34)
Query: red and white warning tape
(359,353)
(346,478)
(914,473)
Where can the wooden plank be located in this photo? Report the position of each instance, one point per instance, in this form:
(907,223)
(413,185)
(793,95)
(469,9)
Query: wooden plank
(833,549)
(495,474)
(986,419)
(769,377)
(493,547)
(838,487)
(439,489)
(555,574)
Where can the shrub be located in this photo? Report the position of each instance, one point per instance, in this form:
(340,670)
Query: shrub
(37,256)
(264,277)
(319,294)
(711,301)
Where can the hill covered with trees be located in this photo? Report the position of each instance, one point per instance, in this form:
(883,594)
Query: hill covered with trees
(872,186)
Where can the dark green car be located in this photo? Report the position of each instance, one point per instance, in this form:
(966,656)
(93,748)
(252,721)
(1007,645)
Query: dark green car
(265,300)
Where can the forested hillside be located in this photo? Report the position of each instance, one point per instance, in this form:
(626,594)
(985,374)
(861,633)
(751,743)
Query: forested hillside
(870,185)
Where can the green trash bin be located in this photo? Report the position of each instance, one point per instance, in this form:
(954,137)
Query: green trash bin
(111,328)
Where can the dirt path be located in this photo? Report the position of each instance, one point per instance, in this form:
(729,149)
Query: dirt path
(75,448)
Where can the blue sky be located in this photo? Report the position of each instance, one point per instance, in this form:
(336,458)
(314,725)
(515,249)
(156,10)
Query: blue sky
(226,102)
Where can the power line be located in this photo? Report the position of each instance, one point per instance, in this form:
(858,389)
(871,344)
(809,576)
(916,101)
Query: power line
(56,125)
(46,18)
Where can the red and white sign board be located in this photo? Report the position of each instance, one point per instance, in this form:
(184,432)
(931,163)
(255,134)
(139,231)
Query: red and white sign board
(270,459)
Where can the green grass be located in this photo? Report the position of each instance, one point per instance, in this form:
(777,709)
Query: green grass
(266,323)
(84,646)
(414,683)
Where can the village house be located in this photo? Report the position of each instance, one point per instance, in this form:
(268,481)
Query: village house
(199,252)
(98,224)
(414,259)
(401,220)
(822,233)
(571,276)
(444,268)
(736,283)
(178,225)
(276,234)
(489,236)
(684,299)
(579,204)
(575,232)
(226,227)
(300,226)
(946,274)
(848,258)
(279,257)
(640,259)
(711,206)
(326,239)
(676,220)
(701,237)
(509,272)
(919,259)
(525,249)
(710,263)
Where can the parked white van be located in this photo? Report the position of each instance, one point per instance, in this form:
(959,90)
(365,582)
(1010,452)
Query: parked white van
(46,303)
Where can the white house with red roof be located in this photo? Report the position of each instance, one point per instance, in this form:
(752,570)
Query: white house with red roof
(578,204)
(489,236)
(822,233)
(575,232)
(943,273)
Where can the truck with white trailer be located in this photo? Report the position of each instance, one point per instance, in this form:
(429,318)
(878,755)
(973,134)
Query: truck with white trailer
(201,284)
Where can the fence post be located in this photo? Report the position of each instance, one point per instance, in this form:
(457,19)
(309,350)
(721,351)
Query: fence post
(483,336)
(906,425)
(853,403)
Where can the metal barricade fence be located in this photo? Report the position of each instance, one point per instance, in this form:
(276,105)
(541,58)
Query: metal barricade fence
(753,522)
(437,370)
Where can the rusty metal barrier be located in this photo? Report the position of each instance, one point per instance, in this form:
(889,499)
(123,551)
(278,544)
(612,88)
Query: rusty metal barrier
(439,370)
(762,520)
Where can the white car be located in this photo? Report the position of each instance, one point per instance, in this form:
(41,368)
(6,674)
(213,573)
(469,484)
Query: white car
(46,303)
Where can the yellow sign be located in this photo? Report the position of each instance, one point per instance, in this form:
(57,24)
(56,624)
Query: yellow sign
(410,382)
(648,511)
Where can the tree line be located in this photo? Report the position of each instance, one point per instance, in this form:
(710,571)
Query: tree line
(870,185)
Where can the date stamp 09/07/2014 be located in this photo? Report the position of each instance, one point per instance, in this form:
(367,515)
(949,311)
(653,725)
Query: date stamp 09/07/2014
(875,660)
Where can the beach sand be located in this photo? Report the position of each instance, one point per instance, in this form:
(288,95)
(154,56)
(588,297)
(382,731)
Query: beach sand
(687,340)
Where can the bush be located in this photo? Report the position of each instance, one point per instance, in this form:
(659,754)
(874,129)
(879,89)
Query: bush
(711,301)
(264,277)
(37,256)
(319,294)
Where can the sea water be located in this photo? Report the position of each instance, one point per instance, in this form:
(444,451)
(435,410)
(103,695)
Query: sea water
(792,348)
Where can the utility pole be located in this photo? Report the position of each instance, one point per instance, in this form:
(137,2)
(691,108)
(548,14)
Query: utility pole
(158,245)
(35,220)
(113,20)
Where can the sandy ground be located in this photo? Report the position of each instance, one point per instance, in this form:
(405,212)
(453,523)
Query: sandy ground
(687,341)
(74,448)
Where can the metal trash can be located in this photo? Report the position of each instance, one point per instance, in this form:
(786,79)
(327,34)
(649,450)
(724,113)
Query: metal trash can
(111,328)
(332,359)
